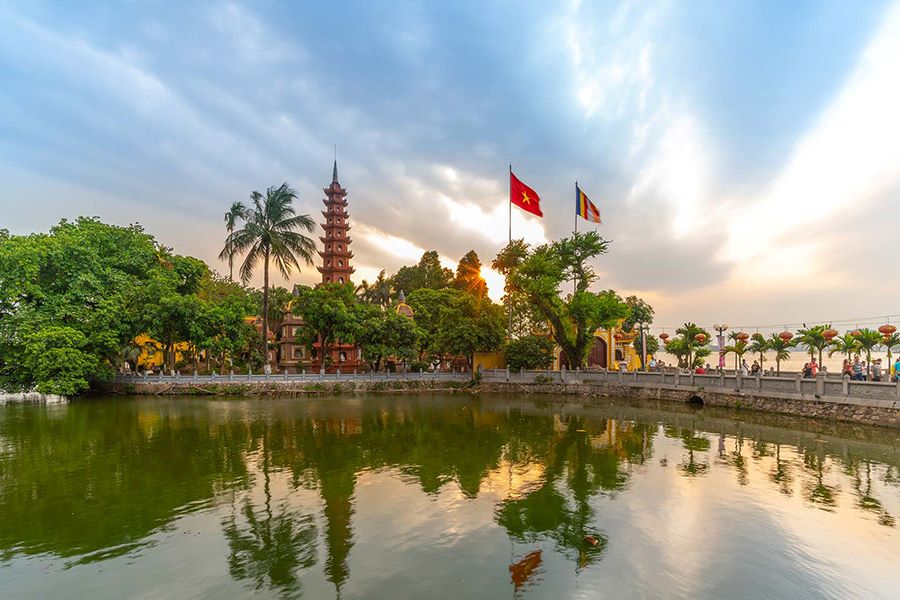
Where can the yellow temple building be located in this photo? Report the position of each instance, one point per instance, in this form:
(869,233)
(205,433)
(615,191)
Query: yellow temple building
(612,349)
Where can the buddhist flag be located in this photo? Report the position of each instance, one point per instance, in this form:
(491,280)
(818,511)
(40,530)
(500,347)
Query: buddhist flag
(523,196)
(584,208)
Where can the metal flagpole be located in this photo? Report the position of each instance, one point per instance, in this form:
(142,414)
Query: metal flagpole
(508,297)
(575,280)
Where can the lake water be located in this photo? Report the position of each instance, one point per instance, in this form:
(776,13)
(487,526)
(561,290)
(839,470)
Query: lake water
(437,496)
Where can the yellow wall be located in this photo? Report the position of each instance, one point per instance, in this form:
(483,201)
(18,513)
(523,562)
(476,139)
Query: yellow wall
(489,360)
(152,351)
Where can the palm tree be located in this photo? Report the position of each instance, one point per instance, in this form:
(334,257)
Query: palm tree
(868,339)
(237,211)
(781,348)
(813,338)
(760,345)
(692,349)
(739,348)
(890,342)
(844,344)
(269,235)
(382,289)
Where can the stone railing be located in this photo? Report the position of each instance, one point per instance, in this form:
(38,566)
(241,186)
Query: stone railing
(822,387)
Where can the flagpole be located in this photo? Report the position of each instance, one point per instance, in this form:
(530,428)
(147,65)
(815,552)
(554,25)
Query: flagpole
(508,297)
(575,280)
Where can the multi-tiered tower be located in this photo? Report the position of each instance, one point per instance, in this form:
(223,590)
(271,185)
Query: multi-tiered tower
(336,253)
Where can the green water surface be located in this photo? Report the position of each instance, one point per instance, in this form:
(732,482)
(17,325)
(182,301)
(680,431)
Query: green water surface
(434,496)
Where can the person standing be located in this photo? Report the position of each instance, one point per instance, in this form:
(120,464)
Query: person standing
(876,369)
(857,370)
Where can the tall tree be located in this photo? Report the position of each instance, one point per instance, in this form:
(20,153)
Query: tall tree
(782,349)
(868,340)
(428,273)
(330,313)
(237,212)
(539,275)
(270,234)
(687,348)
(844,344)
(759,345)
(813,338)
(468,275)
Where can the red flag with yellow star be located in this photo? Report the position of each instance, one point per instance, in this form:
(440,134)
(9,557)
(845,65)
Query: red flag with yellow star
(523,196)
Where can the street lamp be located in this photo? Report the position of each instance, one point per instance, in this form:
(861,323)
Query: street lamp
(720,340)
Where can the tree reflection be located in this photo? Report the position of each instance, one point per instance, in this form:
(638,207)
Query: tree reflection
(818,492)
(781,473)
(578,466)
(270,549)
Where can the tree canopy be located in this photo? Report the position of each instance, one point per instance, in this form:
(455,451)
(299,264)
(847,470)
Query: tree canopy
(539,275)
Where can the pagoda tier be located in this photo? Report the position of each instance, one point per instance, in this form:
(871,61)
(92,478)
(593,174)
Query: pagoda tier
(345,240)
(345,254)
(328,214)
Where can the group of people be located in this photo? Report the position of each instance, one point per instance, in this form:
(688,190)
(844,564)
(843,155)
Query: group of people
(858,370)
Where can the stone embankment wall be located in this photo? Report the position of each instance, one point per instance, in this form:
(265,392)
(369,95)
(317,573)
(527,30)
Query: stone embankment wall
(858,402)
(276,387)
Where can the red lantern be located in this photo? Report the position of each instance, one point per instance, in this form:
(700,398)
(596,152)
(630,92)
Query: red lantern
(700,338)
(829,334)
(664,337)
(786,336)
(743,336)
(887,330)
(856,333)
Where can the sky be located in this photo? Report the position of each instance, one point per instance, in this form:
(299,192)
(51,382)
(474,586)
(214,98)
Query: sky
(745,156)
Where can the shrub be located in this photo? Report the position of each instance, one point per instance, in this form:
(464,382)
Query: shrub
(529,352)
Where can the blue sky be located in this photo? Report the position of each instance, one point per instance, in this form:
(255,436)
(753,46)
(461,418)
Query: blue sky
(745,155)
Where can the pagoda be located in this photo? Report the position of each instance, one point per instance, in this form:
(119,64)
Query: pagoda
(336,253)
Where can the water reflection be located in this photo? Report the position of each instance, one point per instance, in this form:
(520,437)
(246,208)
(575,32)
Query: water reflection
(91,482)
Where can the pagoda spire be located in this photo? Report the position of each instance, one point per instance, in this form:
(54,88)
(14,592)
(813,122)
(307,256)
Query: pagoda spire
(334,177)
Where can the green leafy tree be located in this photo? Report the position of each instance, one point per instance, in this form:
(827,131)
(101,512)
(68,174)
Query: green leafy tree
(530,352)
(686,349)
(378,292)
(781,348)
(237,212)
(641,314)
(330,315)
(814,339)
(739,349)
(85,277)
(387,334)
(270,235)
(539,275)
(868,340)
(174,319)
(455,323)
(890,342)
(428,273)
(845,344)
(57,358)
(759,345)
(468,275)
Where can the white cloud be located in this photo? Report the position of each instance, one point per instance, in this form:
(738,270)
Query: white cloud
(850,157)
